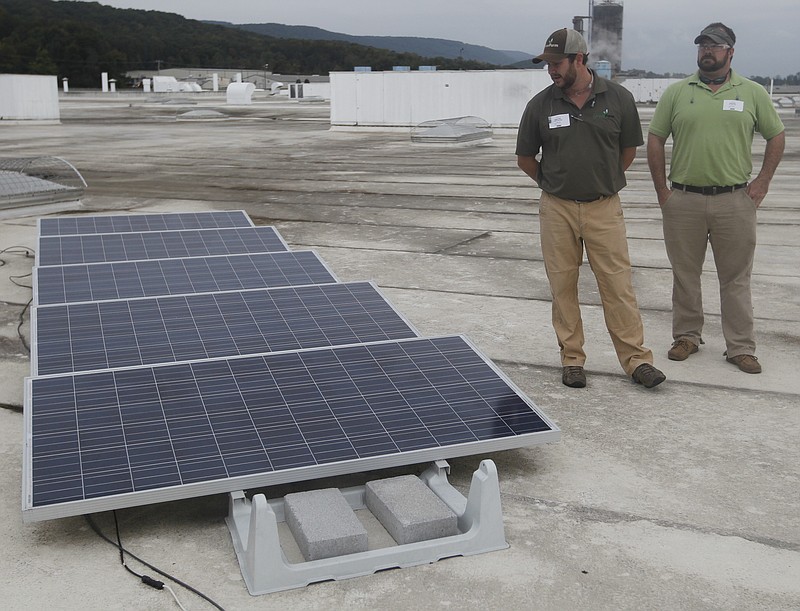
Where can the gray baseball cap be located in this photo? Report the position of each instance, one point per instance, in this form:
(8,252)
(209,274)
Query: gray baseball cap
(717,34)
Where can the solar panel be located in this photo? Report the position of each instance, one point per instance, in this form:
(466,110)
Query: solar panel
(110,334)
(125,280)
(126,437)
(136,223)
(107,247)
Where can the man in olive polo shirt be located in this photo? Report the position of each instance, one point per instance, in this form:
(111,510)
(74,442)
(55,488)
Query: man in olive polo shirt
(587,130)
(712,116)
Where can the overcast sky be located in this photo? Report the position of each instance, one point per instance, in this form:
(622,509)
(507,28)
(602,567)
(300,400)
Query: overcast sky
(658,35)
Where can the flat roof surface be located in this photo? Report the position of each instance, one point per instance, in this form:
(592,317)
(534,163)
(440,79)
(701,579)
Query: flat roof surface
(684,496)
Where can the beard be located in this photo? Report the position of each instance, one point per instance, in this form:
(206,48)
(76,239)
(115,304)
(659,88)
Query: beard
(567,79)
(709,63)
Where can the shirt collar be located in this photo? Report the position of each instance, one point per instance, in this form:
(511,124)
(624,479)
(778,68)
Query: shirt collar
(734,81)
(599,85)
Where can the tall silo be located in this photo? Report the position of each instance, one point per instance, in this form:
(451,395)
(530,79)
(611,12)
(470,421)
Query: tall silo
(607,33)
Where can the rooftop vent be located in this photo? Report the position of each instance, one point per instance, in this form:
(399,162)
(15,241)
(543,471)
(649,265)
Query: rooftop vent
(457,130)
(25,181)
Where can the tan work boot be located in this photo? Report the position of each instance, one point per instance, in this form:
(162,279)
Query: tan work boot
(681,349)
(746,362)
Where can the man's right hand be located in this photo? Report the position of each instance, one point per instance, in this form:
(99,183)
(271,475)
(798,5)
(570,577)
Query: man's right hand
(663,195)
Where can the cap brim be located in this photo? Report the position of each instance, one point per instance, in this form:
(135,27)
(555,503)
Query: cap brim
(717,39)
(550,58)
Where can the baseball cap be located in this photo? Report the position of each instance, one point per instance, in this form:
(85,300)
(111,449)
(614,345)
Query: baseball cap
(717,33)
(560,44)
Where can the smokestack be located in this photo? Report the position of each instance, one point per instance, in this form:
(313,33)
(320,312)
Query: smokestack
(607,33)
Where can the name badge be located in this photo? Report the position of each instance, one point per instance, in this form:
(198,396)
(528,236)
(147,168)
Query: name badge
(558,121)
(736,105)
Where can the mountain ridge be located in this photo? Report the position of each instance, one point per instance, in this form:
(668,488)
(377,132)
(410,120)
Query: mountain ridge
(425,47)
(81,40)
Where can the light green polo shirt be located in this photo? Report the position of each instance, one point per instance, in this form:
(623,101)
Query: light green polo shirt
(712,133)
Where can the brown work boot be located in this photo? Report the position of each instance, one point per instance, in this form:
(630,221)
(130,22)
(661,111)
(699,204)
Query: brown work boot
(746,362)
(681,349)
(648,376)
(573,376)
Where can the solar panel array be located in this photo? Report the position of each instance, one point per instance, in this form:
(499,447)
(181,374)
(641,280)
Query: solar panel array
(75,225)
(131,279)
(107,247)
(155,377)
(107,334)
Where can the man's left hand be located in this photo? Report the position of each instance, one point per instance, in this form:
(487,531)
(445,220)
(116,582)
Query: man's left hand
(757,190)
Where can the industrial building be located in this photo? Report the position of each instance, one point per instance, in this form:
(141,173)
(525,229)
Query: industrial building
(606,38)
(604,35)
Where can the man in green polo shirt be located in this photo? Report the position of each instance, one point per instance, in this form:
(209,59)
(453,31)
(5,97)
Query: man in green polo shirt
(587,130)
(712,116)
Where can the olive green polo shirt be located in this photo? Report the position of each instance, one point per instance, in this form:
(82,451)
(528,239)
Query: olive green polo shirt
(712,133)
(581,148)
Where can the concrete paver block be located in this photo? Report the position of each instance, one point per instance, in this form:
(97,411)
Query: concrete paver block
(409,510)
(323,524)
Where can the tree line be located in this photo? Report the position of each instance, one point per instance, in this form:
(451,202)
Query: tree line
(791,80)
(80,40)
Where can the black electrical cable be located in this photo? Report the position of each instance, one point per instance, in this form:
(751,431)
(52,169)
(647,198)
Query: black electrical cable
(28,253)
(24,286)
(145,579)
(22,322)
(18,408)
(122,551)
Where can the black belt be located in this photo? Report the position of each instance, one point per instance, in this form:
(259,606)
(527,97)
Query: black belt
(590,200)
(708,190)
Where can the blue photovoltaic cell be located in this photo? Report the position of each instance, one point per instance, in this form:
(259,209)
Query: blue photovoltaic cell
(137,223)
(127,437)
(111,334)
(127,280)
(107,247)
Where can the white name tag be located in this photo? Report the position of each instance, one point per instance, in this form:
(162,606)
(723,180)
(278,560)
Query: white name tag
(558,121)
(736,105)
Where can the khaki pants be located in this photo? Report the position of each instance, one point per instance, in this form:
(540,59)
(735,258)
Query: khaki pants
(566,226)
(728,221)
